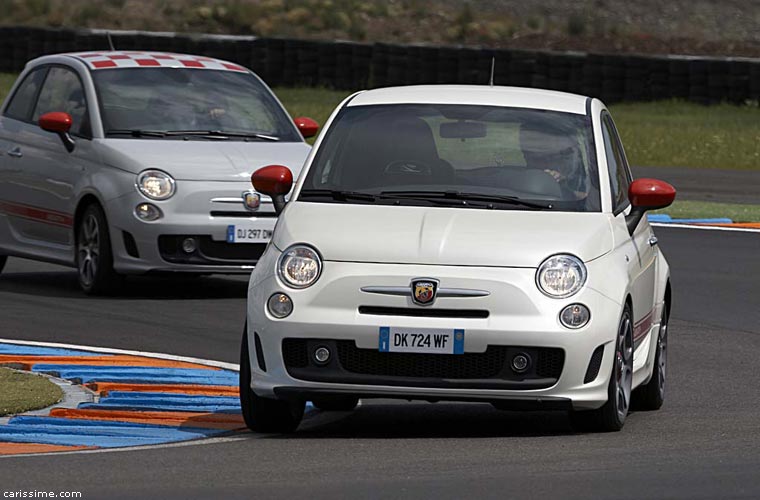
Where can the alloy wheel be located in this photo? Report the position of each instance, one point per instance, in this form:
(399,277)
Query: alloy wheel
(88,249)
(624,367)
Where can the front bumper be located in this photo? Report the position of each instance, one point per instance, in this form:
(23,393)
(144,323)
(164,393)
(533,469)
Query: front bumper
(519,317)
(141,247)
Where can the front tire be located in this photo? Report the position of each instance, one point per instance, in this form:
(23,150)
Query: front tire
(94,255)
(651,396)
(611,417)
(265,414)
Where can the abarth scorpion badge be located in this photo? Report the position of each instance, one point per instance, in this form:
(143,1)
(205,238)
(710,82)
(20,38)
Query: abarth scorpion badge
(424,291)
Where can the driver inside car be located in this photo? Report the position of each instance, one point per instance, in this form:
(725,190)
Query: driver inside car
(557,155)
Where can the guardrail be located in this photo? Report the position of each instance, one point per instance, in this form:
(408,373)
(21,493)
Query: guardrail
(350,65)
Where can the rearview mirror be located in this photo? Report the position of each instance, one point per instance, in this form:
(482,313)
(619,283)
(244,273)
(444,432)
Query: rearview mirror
(647,194)
(58,123)
(462,130)
(274,181)
(307,126)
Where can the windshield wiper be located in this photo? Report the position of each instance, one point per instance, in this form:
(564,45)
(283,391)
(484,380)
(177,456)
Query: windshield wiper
(137,132)
(464,196)
(222,134)
(338,195)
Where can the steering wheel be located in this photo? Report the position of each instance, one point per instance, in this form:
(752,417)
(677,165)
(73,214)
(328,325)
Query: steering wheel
(408,167)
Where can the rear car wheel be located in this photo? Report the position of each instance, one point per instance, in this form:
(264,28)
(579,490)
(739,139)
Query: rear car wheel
(651,396)
(611,417)
(265,414)
(3,260)
(94,255)
(336,403)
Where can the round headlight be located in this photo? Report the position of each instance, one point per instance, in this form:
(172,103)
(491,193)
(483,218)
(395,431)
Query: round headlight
(561,276)
(299,266)
(155,184)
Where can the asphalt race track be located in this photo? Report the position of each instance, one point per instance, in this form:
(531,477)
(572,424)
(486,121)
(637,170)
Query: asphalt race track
(704,443)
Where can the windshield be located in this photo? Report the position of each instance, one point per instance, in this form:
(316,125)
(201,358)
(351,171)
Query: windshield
(148,100)
(451,154)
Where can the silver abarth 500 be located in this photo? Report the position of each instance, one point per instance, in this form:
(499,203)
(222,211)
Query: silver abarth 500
(133,162)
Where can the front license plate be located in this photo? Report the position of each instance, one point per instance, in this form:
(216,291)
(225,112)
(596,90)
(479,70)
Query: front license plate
(422,340)
(258,231)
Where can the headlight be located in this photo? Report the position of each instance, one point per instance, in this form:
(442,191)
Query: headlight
(561,276)
(299,266)
(155,184)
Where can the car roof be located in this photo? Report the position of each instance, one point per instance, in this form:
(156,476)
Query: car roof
(113,59)
(485,95)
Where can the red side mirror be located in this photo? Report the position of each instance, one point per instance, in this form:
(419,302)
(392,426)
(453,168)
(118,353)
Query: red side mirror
(651,194)
(56,122)
(307,126)
(274,181)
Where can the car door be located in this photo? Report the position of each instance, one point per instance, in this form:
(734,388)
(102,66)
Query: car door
(17,225)
(641,244)
(49,177)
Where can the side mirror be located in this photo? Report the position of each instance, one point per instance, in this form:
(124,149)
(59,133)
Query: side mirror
(307,126)
(647,194)
(274,181)
(58,123)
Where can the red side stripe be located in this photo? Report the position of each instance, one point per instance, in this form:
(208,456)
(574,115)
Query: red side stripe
(37,214)
(643,326)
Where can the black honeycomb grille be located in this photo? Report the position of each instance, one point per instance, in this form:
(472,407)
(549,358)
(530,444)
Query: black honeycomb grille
(452,366)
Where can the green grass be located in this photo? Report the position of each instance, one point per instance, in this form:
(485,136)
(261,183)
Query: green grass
(20,392)
(707,210)
(676,133)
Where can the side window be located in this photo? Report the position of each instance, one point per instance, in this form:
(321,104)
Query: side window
(63,91)
(619,178)
(20,106)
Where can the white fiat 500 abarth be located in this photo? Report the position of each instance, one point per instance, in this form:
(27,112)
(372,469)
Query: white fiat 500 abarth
(135,162)
(460,243)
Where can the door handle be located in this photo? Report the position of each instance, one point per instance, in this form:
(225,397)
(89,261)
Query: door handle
(652,241)
(15,152)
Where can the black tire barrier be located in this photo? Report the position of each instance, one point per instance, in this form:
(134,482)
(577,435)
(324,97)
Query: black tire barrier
(349,65)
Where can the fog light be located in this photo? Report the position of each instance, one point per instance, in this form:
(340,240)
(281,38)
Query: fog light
(521,362)
(188,245)
(280,305)
(321,355)
(147,212)
(575,316)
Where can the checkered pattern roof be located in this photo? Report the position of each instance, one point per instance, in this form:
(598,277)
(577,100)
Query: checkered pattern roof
(136,59)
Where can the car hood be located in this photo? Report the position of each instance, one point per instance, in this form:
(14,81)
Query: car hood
(442,236)
(203,160)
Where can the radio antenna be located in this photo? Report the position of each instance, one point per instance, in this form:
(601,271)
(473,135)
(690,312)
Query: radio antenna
(110,40)
(493,66)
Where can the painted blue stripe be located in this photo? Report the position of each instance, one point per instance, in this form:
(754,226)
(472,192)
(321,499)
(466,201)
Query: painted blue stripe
(74,432)
(63,422)
(667,218)
(85,374)
(157,406)
(30,350)
(169,397)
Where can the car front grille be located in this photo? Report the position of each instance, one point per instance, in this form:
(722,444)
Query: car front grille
(209,251)
(488,369)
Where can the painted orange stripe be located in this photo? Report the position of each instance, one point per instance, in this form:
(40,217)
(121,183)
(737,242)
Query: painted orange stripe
(203,390)
(177,418)
(750,225)
(118,360)
(17,448)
